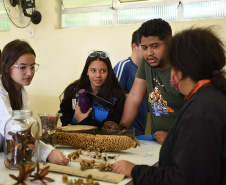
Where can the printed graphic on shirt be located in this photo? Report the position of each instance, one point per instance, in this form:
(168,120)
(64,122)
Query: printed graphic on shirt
(156,80)
(158,104)
(74,101)
(100,107)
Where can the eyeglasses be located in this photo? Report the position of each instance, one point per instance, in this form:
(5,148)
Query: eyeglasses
(102,54)
(24,68)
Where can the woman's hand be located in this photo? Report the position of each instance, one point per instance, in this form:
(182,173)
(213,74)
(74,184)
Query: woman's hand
(57,157)
(79,115)
(123,167)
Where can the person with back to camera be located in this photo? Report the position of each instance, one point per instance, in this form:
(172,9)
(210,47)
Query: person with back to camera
(153,77)
(17,70)
(194,151)
(99,79)
(125,72)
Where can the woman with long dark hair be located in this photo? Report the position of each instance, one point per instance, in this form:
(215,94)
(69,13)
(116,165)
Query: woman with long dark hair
(17,70)
(99,79)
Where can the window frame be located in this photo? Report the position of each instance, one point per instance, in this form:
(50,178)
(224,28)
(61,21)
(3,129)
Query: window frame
(4,16)
(116,5)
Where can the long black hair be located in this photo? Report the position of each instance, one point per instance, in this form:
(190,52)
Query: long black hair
(111,84)
(10,54)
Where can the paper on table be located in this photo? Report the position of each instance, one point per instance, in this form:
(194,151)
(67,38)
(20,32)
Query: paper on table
(104,176)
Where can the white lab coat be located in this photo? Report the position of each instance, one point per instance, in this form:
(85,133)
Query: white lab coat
(6,114)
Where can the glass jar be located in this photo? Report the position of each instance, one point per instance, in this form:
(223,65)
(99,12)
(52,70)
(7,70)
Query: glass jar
(49,126)
(21,139)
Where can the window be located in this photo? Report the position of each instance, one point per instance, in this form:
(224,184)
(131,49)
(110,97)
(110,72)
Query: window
(87,19)
(205,9)
(81,13)
(4,20)
(138,15)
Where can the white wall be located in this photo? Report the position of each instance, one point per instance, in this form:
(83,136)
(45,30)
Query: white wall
(61,53)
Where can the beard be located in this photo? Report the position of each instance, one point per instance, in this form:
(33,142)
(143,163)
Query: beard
(160,64)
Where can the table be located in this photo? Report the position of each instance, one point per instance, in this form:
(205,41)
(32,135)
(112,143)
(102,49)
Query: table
(147,153)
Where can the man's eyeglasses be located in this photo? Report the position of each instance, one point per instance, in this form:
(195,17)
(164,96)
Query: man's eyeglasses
(24,68)
(102,54)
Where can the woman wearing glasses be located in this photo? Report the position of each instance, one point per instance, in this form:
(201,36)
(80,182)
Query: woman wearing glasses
(99,79)
(17,70)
